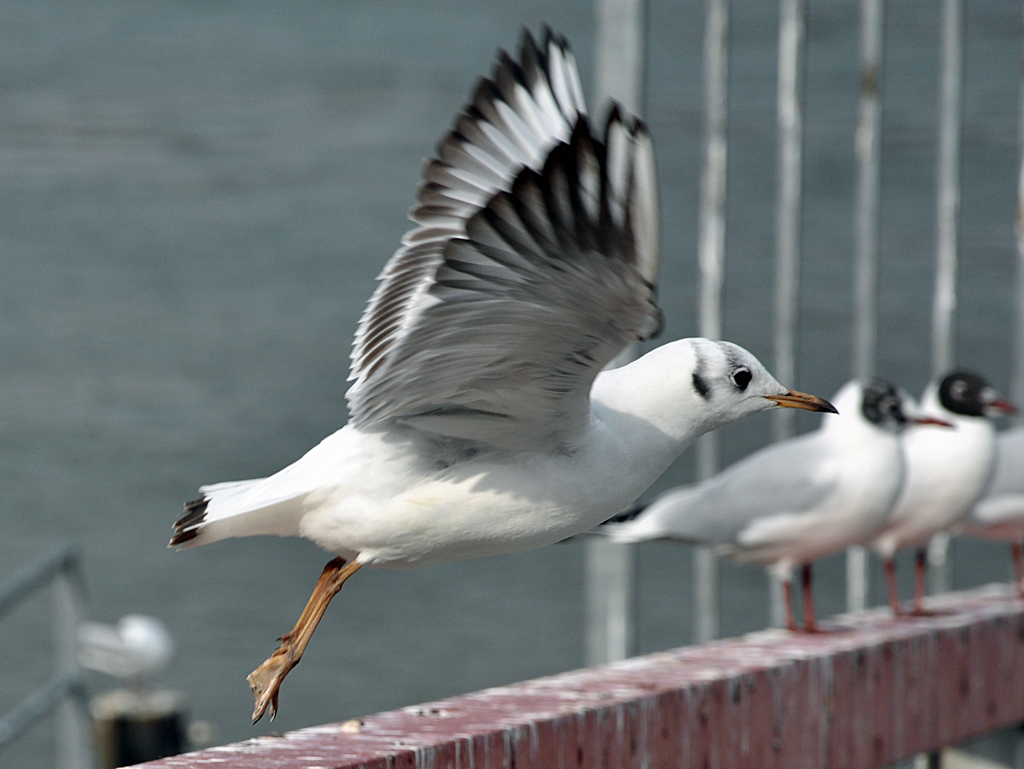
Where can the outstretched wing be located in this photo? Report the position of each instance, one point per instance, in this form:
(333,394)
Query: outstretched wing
(531,268)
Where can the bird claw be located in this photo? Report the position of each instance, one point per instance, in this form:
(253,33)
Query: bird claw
(265,682)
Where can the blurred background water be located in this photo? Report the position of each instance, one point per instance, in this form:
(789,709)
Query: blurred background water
(195,198)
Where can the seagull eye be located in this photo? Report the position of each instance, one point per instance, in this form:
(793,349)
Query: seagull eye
(741,378)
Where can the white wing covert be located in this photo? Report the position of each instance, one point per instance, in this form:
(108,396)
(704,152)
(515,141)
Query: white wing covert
(531,268)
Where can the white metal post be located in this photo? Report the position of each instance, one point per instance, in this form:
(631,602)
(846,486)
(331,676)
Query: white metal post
(711,260)
(74,742)
(868,144)
(611,568)
(792,23)
(792,37)
(1017,385)
(947,232)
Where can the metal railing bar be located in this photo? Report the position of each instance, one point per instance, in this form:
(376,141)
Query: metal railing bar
(788,216)
(947,233)
(792,44)
(868,150)
(711,261)
(38,704)
(36,575)
(610,567)
(1017,385)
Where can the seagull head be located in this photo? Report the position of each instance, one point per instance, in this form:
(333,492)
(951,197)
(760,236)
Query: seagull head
(883,405)
(731,383)
(968,394)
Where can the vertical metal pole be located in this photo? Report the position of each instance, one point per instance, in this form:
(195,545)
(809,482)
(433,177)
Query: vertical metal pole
(792,23)
(711,259)
(948,199)
(73,724)
(868,150)
(611,568)
(792,28)
(1017,385)
(947,231)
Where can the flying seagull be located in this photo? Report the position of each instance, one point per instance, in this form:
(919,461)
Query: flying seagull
(481,420)
(797,500)
(947,472)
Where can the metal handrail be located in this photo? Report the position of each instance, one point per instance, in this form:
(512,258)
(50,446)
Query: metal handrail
(36,575)
(65,693)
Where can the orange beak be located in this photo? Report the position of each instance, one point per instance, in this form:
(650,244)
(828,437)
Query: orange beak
(796,400)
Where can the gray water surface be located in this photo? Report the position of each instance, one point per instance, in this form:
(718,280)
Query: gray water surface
(195,199)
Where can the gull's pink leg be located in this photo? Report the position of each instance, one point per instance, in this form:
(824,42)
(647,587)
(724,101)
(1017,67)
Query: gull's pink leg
(894,594)
(787,594)
(1017,552)
(810,626)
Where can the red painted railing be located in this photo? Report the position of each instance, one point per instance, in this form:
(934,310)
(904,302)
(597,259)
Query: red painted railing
(879,692)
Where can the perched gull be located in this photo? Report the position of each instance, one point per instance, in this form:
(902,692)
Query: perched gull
(481,421)
(1000,513)
(947,472)
(796,500)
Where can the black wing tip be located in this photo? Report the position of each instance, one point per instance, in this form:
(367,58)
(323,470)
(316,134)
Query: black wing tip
(186,528)
(629,514)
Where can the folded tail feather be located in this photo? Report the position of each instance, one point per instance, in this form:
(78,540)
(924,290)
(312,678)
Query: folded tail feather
(237,509)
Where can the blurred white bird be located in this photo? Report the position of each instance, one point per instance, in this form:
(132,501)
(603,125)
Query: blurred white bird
(481,420)
(947,472)
(137,649)
(796,500)
(1000,513)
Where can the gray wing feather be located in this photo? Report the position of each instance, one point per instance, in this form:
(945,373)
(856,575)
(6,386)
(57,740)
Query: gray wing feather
(782,478)
(492,321)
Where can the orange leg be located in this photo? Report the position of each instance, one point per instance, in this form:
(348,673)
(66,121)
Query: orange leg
(787,595)
(266,679)
(920,575)
(894,593)
(810,626)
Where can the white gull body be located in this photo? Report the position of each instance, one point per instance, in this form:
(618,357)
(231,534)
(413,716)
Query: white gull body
(947,470)
(999,514)
(389,495)
(481,420)
(797,500)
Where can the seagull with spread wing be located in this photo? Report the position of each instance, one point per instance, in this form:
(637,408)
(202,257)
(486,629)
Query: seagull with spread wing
(481,419)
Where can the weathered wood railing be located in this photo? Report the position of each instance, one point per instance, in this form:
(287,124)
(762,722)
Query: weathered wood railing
(876,693)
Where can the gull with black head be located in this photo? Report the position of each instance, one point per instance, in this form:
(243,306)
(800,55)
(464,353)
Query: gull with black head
(947,472)
(481,419)
(797,500)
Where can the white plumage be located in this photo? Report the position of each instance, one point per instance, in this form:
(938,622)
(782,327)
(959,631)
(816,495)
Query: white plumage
(481,420)
(797,500)
(947,471)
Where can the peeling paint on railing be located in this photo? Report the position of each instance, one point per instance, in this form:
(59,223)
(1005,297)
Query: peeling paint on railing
(875,693)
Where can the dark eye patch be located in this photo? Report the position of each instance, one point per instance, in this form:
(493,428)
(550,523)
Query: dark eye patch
(701,386)
(741,378)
